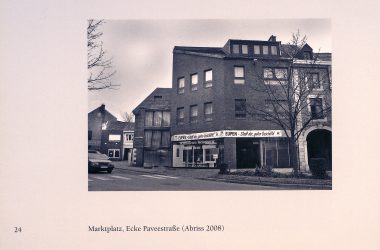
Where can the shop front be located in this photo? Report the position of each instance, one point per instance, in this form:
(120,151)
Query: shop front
(240,149)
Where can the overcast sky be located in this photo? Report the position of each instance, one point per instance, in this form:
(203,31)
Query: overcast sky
(142,50)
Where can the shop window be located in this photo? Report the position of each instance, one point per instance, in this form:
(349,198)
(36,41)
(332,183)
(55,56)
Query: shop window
(113,153)
(240,108)
(89,135)
(208,111)
(276,153)
(180,116)
(208,155)
(181,85)
(316,109)
(273,50)
(256,49)
(194,113)
(265,50)
(239,75)
(208,78)
(194,82)
(244,49)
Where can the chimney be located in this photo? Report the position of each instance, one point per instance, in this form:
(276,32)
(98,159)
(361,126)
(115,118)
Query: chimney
(272,38)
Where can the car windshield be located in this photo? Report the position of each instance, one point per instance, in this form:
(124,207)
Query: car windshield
(97,156)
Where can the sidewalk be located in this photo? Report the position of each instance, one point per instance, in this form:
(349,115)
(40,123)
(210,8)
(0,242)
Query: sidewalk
(212,174)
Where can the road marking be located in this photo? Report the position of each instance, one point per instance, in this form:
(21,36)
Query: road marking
(152,176)
(120,177)
(167,176)
(101,178)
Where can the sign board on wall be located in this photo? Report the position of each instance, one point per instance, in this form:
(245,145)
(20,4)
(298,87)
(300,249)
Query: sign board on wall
(229,133)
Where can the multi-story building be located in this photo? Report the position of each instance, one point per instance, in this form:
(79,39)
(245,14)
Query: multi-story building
(152,130)
(97,120)
(212,91)
(117,140)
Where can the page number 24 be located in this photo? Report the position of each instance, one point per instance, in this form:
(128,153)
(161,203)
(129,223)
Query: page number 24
(17,230)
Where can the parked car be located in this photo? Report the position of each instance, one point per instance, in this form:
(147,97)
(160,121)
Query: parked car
(99,162)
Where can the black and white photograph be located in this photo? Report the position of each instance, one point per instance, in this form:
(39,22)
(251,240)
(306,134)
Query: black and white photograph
(188,105)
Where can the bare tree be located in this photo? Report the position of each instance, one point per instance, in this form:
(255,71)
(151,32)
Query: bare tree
(128,117)
(99,66)
(292,93)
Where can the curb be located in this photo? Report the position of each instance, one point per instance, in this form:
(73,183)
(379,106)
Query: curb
(264,183)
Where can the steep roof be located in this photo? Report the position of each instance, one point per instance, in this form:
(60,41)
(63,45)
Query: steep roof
(150,103)
(118,125)
(102,108)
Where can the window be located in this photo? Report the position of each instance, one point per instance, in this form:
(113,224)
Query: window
(194,113)
(235,48)
(112,137)
(157,98)
(265,49)
(180,115)
(244,49)
(278,107)
(313,81)
(181,85)
(240,108)
(275,76)
(208,78)
(256,49)
(128,137)
(165,118)
(208,155)
(148,119)
(316,109)
(194,82)
(307,55)
(239,75)
(89,135)
(157,138)
(113,153)
(273,50)
(208,111)
(157,118)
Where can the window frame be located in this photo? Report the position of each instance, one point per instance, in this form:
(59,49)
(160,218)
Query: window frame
(208,83)
(271,50)
(274,80)
(194,87)
(181,90)
(208,117)
(114,153)
(257,46)
(310,80)
(265,46)
(242,51)
(193,119)
(237,79)
(324,116)
(180,121)
(241,114)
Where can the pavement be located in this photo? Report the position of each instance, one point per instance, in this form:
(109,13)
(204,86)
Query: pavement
(212,175)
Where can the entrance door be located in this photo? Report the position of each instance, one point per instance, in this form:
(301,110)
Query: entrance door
(319,146)
(247,153)
(126,154)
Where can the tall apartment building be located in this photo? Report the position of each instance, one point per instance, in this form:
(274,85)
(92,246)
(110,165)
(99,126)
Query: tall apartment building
(212,90)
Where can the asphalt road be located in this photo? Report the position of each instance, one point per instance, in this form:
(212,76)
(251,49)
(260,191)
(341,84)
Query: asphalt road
(125,180)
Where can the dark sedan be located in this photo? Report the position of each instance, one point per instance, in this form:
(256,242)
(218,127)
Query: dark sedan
(99,162)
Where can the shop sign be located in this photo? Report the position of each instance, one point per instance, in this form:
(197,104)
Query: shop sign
(229,133)
(207,142)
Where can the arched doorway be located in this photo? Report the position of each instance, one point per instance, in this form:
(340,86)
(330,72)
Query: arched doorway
(319,146)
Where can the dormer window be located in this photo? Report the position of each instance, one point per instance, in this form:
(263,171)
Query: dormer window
(307,55)
(235,49)
(256,49)
(273,50)
(265,50)
(244,49)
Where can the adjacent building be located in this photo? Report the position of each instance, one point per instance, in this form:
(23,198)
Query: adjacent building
(97,120)
(117,141)
(152,130)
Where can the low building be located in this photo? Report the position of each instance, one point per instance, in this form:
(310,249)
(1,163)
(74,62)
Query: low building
(97,119)
(117,141)
(152,130)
